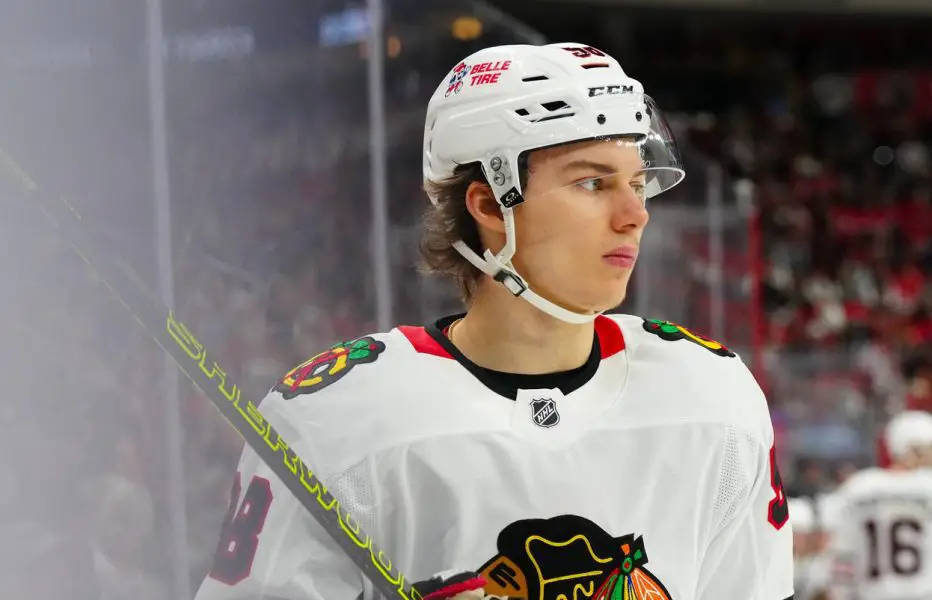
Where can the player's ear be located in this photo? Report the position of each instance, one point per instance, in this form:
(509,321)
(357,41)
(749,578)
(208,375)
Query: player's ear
(481,204)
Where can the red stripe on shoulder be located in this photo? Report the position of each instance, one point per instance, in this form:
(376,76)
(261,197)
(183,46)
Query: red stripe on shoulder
(422,341)
(611,340)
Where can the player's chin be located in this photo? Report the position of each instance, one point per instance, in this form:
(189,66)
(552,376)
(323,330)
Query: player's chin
(608,296)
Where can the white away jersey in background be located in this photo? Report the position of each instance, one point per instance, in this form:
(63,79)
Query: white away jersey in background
(647,472)
(882,545)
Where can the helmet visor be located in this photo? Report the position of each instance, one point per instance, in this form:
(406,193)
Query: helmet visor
(605,158)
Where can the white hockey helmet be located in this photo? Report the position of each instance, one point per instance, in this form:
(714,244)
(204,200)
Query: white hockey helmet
(908,431)
(502,102)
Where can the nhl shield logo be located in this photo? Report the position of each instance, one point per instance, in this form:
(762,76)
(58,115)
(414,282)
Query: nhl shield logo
(544,412)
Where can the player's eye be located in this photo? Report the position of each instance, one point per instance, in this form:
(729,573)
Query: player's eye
(639,190)
(591,185)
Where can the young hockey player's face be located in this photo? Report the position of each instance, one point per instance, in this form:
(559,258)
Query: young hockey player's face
(579,229)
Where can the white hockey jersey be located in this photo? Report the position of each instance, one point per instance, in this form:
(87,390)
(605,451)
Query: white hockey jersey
(648,472)
(883,540)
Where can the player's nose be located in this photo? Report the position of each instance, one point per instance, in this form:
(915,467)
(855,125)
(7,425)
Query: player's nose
(628,209)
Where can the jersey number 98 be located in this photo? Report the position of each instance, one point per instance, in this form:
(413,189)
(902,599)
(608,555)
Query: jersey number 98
(778,510)
(239,536)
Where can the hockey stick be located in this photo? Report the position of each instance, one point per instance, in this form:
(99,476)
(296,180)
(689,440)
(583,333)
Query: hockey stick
(191,357)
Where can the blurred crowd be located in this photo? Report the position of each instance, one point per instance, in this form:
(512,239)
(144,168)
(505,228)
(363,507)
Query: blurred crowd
(826,179)
(830,128)
(81,456)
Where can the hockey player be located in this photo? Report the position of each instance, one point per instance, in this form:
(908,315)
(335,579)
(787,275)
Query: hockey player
(535,446)
(883,538)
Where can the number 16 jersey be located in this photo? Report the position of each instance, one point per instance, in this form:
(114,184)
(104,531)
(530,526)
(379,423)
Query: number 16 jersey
(883,542)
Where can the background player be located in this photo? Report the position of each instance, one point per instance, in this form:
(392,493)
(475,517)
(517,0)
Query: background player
(883,538)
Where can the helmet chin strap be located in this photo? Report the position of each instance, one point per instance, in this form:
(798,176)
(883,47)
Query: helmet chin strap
(499,267)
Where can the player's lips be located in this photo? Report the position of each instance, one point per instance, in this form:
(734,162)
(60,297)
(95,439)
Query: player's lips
(622,256)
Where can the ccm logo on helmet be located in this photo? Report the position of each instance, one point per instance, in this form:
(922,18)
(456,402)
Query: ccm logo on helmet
(604,90)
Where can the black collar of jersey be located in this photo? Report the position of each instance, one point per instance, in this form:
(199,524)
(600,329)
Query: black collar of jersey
(508,384)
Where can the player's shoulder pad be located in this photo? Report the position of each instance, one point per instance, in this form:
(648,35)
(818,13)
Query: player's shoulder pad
(680,350)
(713,377)
(868,482)
(338,402)
(667,335)
(863,479)
(875,479)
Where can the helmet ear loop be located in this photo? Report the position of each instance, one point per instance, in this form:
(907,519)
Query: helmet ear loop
(505,180)
(503,258)
(511,242)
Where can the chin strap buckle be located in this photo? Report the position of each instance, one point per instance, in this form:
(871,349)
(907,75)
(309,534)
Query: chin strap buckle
(511,281)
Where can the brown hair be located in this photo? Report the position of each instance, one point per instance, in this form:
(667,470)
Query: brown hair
(448,222)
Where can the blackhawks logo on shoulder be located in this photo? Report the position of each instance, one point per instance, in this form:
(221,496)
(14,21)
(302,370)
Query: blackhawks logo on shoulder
(329,367)
(672,332)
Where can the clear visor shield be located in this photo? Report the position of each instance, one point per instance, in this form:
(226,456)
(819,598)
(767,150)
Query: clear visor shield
(646,164)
